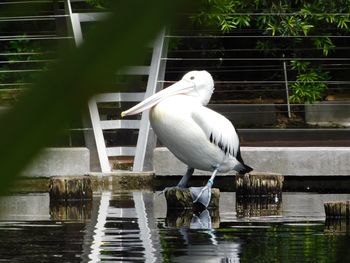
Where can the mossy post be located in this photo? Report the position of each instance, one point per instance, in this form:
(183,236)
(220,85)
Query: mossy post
(71,210)
(181,199)
(259,194)
(259,184)
(182,212)
(258,206)
(68,188)
(337,209)
(70,197)
(187,218)
(337,217)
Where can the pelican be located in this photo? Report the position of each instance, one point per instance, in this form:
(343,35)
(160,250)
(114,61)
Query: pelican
(198,136)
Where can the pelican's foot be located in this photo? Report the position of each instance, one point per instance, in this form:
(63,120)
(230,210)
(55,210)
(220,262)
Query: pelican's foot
(201,194)
(201,221)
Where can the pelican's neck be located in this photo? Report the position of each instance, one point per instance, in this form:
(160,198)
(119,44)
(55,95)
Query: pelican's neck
(201,96)
(204,93)
(205,97)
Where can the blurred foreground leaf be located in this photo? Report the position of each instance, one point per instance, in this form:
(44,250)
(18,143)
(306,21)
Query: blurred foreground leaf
(63,91)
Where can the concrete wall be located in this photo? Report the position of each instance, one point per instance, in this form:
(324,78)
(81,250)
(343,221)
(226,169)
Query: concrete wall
(328,113)
(24,207)
(60,161)
(303,161)
(247,114)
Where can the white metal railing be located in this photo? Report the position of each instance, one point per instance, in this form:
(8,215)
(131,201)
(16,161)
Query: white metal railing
(155,72)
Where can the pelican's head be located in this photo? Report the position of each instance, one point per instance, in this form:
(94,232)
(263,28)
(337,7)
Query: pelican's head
(198,84)
(203,85)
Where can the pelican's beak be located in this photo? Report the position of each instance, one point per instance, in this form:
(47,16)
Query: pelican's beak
(180,87)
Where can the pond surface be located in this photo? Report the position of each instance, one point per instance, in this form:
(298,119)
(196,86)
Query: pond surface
(136,227)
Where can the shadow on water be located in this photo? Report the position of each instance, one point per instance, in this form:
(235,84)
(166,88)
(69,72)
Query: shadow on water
(137,227)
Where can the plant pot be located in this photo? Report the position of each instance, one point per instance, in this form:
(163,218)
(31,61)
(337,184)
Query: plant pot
(328,113)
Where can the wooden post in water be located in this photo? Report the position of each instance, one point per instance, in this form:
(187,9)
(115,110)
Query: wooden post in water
(187,218)
(337,217)
(71,210)
(70,197)
(258,194)
(259,184)
(70,188)
(182,212)
(337,209)
(258,206)
(177,198)
(337,226)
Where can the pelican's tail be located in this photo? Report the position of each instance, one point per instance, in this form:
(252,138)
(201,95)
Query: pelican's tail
(242,168)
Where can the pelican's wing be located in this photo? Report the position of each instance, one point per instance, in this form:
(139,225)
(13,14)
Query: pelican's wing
(218,129)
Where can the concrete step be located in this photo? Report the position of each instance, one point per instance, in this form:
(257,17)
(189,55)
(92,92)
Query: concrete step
(294,161)
(60,162)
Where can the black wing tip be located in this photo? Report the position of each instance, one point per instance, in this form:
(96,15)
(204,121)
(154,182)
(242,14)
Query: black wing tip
(243,169)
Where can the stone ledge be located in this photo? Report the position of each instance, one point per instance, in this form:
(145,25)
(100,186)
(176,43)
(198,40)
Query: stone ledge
(295,161)
(247,114)
(60,162)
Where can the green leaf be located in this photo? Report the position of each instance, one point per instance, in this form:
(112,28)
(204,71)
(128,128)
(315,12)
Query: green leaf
(243,21)
(306,28)
(272,28)
(343,22)
(299,65)
(324,43)
(330,19)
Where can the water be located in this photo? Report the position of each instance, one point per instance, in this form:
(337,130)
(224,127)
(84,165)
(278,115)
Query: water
(135,227)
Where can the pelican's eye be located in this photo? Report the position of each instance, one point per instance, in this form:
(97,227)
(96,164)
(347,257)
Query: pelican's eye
(192,78)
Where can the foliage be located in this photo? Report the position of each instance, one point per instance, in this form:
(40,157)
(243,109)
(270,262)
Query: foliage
(309,84)
(296,18)
(63,91)
(25,51)
(97,3)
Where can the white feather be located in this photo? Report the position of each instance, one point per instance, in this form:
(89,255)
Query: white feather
(217,128)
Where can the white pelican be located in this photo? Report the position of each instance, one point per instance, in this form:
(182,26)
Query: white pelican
(198,136)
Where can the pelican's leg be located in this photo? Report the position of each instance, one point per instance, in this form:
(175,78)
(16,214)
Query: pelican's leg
(183,182)
(203,194)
